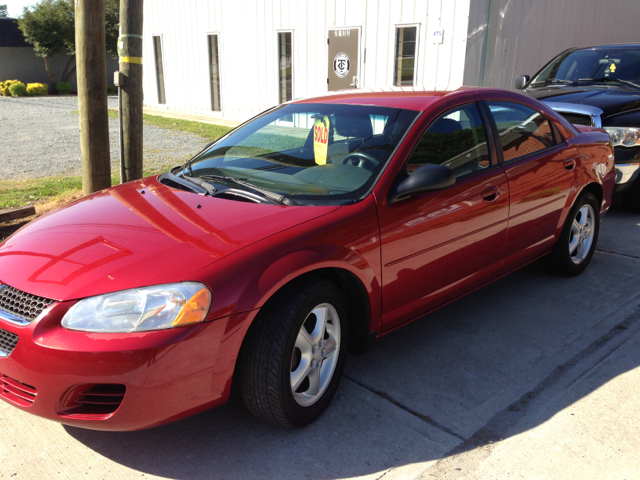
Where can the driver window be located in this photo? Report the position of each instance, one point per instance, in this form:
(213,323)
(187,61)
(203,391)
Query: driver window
(457,140)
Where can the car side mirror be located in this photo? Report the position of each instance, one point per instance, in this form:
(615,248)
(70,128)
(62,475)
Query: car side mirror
(521,81)
(426,178)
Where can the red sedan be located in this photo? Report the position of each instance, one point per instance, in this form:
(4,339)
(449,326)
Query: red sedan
(302,235)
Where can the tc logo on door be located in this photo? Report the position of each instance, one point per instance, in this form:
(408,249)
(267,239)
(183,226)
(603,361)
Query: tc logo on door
(341,64)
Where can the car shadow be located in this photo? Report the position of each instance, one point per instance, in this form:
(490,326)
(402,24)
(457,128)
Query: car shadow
(467,374)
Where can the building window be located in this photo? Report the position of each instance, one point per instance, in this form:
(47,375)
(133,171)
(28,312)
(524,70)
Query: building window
(157,52)
(285,67)
(404,72)
(214,72)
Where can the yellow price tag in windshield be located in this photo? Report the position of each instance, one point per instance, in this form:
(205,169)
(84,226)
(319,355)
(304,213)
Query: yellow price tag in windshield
(612,67)
(321,139)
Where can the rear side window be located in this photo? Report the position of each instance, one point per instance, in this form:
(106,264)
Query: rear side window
(522,130)
(457,140)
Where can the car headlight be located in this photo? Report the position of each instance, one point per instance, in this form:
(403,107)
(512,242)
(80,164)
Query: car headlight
(141,309)
(624,136)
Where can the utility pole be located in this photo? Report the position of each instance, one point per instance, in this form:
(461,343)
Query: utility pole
(92,95)
(129,81)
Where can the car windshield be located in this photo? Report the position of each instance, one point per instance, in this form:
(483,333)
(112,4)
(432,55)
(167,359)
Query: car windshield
(601,65)
(307,153)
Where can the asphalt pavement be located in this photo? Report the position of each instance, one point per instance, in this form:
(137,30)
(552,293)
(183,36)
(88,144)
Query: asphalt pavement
(534,376)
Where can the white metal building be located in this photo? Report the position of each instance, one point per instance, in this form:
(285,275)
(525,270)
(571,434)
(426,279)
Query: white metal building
(236,58)
(230,57)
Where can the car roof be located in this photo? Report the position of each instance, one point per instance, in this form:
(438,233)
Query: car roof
(606,47)
(410,98)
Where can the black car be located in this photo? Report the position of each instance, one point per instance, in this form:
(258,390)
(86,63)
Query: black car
(598,86)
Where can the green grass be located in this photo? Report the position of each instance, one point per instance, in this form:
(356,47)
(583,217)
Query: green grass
(207,131)
(35,191)
(39,190)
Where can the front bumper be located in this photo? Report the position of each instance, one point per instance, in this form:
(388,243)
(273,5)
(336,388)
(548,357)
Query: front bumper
(626,174)
(627,163)
(167,374)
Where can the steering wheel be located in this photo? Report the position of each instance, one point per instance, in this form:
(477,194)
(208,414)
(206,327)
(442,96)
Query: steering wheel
(361,159)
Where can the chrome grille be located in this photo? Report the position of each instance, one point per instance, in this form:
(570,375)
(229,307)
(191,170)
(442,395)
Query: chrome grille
(576,118)
(8,342)
(22,305)
(577,113)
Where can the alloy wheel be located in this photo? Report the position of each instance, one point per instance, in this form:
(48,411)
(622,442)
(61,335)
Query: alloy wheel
(315,354)
(582,234)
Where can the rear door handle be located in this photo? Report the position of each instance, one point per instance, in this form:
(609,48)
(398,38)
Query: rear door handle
(491,194)
(570,164)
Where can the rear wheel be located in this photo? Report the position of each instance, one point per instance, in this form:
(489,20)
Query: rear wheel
(292,359)
(579,237)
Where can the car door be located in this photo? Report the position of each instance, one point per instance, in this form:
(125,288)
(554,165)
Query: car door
(438,245)
(540,169)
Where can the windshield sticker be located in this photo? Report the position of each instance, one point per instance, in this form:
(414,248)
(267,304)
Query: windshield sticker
(321,139)
(612,67)
(341,64)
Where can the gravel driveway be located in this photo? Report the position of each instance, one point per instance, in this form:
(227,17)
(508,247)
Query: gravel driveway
(39,137)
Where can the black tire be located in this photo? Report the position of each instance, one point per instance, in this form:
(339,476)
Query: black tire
(267,355)
(631,198)
(561,260)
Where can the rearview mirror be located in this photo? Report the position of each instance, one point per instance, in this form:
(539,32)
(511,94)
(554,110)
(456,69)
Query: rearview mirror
(521,81)
(426,178)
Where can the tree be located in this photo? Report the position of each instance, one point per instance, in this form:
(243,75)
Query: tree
(3,11)
(112,27)
(50,27)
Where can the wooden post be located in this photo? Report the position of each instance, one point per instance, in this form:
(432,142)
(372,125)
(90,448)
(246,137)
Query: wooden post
(130,50)
(92,95)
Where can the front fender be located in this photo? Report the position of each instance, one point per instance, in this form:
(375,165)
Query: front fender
(346,239)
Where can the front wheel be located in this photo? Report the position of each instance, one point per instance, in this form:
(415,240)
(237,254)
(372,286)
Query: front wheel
(292,359)
(577,243)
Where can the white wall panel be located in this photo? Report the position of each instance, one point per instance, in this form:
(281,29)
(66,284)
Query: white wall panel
(248,48)
(508,38)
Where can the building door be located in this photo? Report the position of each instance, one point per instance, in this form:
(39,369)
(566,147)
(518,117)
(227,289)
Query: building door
(344,58)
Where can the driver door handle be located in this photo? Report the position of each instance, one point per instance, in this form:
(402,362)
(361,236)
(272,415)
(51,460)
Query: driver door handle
(491,194)
(570,164)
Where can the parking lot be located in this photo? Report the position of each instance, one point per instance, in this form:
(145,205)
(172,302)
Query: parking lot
(533,376)
(45,139)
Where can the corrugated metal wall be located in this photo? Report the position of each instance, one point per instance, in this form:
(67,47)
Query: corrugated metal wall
(508,38)
(248,47)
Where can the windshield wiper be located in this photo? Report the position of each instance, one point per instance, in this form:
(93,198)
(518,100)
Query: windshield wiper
(556,80)
(610,79)
(267,193)
(207,186)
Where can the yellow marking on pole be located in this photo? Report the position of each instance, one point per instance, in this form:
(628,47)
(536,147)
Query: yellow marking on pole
(137,60)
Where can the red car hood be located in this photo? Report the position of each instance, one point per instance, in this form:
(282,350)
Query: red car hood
(137,234)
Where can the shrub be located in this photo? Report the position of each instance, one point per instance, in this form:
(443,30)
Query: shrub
(111,90)
(4,87)
(17,89)
(63,88)
(37,89)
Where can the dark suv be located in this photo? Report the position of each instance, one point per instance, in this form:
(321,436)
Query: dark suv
(598,86)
